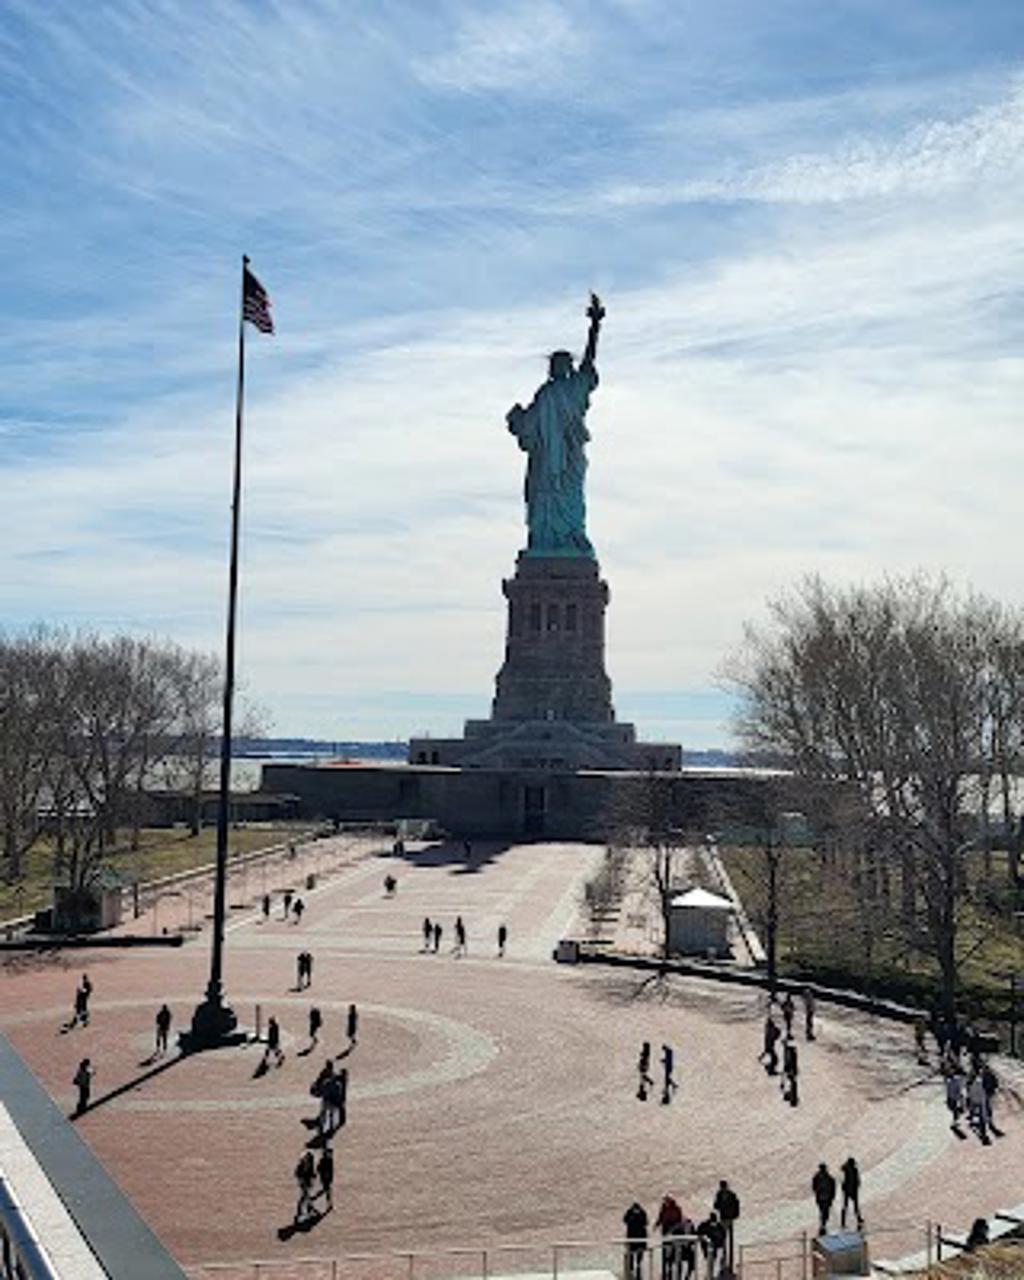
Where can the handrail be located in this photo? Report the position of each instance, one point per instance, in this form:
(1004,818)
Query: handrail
(16,1228)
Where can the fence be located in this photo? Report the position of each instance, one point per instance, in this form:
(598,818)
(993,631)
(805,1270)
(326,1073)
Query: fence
(184,900)
(791,1258)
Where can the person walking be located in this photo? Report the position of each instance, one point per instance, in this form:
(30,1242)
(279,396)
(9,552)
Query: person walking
(273,1042)
(438,931)
(788,1012)
(990,1083)
(977,1104)
(286,902)
(790,1073)
(824,1187)
(668,1058)
(711,1234)
(502,938)
(808,1000)
(954,1094)
(300,971)
(325,1172)
(851,1192)
(727,1206)
(460,937)
(428,932)
(316,1021)
(163,1028)
(266,906)
(635,1220)
(770,1054)
(83,992)
(298,906)
(643,1067)
(669,1217)
(352,1023)
(82,1080)
(305,1174)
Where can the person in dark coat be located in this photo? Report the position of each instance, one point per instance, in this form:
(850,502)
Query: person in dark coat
(824,1187)
(438,932)
(790,1073)
(712,1240)
(769,1054)
(352,1023)
(83,1083)
(788,1010)
(428,932)
(727,1206)
(635,1220)
(163,1028)
(643,1067)
(305,1173)
(316,1021)
(273,1042)
(502,938)
(851,1192)
(325,1172)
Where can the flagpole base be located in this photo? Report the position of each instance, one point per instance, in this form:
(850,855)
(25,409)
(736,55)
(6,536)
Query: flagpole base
(214,1026)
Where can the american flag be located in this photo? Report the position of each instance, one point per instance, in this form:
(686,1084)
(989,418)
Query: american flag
(256,303)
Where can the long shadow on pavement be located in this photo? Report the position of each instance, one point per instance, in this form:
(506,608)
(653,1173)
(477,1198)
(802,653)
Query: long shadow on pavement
(129,1085)
(452,853)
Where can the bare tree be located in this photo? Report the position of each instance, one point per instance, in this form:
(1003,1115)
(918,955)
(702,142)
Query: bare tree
(27,742)
(882,694)
(645,819)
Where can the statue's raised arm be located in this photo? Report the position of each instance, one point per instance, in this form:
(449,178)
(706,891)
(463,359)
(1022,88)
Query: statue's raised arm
(596,313)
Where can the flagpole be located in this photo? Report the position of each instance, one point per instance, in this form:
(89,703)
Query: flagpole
(214,1021)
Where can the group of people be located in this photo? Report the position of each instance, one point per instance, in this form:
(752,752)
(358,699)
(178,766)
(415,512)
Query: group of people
(645,1082)
(433,932)
(292,906)
(85,1072)
(824,1186)
(714,1237)
(773,1033)
(971,1092)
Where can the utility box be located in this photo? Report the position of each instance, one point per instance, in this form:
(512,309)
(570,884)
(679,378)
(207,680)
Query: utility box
(841,1253)
(567,951)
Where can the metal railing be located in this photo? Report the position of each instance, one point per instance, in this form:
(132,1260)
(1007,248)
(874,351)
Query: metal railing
(22,1254)
(789,1258)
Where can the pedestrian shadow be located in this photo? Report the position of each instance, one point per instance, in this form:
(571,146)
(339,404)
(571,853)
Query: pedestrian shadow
(129,1085)
(305,1224)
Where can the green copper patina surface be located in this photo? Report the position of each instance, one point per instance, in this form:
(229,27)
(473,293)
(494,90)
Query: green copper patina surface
(552,431)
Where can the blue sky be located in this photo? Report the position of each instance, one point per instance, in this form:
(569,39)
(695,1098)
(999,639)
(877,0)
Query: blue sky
(804,220)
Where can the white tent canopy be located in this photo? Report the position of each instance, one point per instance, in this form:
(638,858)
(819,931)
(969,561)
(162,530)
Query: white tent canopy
(702,898)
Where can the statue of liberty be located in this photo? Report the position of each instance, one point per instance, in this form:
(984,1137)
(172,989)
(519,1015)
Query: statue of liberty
(552,431)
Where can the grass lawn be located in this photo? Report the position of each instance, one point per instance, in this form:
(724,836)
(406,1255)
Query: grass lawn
(823,934)
(162,852)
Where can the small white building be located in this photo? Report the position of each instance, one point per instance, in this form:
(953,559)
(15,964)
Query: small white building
(699,923)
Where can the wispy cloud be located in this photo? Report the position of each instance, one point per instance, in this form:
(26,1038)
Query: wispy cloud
(530,45)
(939,155)
(810,358)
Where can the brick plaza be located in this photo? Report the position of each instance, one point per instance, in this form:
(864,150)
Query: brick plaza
(490,1100)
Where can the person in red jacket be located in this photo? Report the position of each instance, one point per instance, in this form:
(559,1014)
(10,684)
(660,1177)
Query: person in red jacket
(669,1217)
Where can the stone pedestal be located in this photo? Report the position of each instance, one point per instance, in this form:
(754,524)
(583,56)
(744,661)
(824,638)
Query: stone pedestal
(552,709)
(554,647)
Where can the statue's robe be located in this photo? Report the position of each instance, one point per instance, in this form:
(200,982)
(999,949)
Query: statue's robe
(552,431)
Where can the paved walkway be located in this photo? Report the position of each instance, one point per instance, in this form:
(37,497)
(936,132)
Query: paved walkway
(491,1100)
